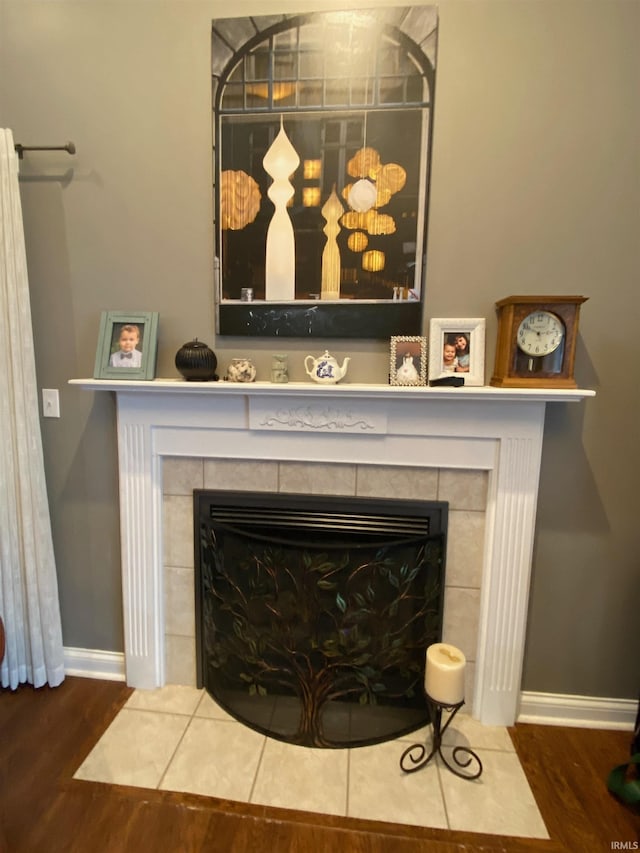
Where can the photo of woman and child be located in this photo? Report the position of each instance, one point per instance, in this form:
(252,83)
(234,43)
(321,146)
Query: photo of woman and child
(455,353)
(125,342)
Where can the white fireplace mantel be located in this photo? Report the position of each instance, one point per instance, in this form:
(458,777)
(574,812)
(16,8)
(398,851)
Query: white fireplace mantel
(493,429)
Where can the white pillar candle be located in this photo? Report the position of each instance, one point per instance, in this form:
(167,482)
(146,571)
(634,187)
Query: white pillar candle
(444,674)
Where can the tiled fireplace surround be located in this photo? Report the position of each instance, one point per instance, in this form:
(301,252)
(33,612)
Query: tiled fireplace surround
(477,448)
(464,490)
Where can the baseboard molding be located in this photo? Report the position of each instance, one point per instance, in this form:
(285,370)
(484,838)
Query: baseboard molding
(93,663)
(592,712)
(551,709)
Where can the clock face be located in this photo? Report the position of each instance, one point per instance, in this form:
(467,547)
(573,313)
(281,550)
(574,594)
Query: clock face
(540,333)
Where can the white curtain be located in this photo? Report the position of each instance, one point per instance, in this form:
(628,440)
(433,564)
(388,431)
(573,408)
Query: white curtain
(28,584)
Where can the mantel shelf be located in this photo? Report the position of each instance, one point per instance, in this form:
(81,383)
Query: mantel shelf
(484,393)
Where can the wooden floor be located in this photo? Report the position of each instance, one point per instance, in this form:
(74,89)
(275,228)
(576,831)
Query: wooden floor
(45,734)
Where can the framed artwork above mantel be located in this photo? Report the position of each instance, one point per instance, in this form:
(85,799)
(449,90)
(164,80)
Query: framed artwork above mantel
(322,128)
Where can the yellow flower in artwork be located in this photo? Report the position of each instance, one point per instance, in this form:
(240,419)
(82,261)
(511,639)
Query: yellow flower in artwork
(380,223)
(392,176)
(358,241)
(373,261)
(364,163)
(239,200)
(377,182)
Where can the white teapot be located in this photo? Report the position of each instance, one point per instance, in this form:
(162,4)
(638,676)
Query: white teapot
(326,370)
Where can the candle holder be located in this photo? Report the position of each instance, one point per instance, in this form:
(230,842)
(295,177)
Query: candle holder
(413,758)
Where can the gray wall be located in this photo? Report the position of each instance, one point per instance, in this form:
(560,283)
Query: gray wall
(535,189)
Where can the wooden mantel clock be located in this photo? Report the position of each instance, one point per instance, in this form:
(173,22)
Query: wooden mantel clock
(536,344)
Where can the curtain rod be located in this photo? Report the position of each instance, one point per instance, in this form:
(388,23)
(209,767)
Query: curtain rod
(70,147)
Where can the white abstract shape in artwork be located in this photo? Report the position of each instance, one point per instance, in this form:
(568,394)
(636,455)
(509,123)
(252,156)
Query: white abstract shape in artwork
(362,195)
(332,210)
(280,162)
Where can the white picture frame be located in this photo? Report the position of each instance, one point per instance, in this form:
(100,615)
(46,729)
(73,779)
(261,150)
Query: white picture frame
(468,364)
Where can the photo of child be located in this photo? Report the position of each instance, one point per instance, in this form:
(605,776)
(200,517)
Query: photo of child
(125,343)
(449,360)
(456,356)
(127,346)
(461,341)
(455,353)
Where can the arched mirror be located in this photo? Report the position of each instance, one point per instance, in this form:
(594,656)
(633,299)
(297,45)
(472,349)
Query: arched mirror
(322,141)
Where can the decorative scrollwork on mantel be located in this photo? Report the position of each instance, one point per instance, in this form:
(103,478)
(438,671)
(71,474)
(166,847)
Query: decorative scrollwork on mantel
(303,418)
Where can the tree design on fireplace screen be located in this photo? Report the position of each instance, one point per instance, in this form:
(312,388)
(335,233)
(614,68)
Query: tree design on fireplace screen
(314,614)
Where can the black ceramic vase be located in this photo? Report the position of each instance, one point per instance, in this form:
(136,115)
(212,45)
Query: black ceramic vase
(197,362)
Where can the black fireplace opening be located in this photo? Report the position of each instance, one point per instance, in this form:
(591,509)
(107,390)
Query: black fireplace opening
(314,613)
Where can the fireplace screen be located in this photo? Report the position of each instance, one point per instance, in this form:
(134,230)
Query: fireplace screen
(313,614)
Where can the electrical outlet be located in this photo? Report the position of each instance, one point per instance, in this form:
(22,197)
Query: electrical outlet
(50,403)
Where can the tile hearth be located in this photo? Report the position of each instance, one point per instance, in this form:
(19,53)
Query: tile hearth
(177,738)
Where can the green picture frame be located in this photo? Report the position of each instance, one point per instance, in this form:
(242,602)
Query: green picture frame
(127,345)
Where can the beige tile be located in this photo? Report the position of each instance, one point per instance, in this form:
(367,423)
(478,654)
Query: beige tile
(465,548)
(380,790)
(179,602)
(170,699)
(210,709)
(135,749)
(245,706)
(418,736)
(465,731)
(180,475)
(211,755)
(461,619)
(180,660)
(283,712)
(215,758)
(317,479)
(177,529)
(302,778)
(242,475)
(463,489)
(392,481)
(469,682)
(499,802)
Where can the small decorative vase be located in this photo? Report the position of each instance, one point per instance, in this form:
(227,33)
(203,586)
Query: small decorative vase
(197,362)
(279,368)
(241,370)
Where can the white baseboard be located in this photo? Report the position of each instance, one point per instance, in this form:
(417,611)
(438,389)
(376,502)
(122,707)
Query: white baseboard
(589,712)
(551,709)
(93,663)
